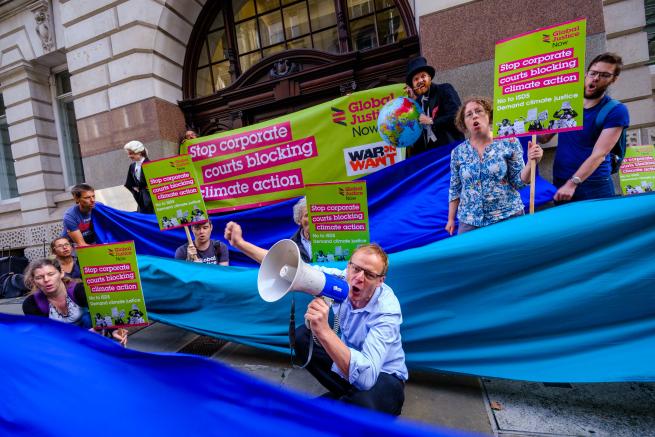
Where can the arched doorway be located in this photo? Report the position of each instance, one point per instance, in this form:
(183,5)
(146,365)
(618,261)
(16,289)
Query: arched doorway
(252,60)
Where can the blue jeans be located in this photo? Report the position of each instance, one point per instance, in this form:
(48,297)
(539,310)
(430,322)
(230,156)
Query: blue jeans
(589,189)
(387,395)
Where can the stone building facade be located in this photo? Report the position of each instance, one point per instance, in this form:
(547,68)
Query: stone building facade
(80,78)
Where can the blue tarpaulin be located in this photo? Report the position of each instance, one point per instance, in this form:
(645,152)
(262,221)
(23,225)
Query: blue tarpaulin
(562,295)
(59,380)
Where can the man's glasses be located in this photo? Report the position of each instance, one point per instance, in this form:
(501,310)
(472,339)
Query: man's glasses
(602,74)
(62,246)
(367,273)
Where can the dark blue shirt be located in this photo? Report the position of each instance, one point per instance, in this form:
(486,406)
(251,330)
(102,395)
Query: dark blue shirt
(573,148)
(75,220)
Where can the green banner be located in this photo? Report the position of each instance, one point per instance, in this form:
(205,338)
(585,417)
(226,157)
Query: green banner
(637,172)
(175,192)
(338,219)
(274,160)
(539,81)
(113,287)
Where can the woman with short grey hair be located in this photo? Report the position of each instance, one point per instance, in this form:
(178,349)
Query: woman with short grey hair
(301,237)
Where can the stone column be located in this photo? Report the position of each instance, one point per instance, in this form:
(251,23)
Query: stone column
(625,21)
(33,136)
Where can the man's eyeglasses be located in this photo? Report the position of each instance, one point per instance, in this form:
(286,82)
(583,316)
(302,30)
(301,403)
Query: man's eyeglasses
(62,246)
(602,74)
(367,273)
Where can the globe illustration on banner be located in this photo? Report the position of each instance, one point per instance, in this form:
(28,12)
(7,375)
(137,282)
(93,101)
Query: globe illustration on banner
(398,123)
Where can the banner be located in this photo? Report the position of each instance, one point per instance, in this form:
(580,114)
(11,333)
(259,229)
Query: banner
(112,284)
(407,205)
(538,81)
(637,172)
(274,160)
(175,192)
(338,219)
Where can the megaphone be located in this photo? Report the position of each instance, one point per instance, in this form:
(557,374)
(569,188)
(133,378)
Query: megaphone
(283,270)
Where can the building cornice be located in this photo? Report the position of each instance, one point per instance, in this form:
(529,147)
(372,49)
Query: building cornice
(9,8)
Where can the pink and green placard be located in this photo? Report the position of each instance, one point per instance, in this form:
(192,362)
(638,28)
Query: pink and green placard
(110,274)
(338,219)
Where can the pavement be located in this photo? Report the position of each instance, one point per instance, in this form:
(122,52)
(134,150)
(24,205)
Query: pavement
(497,407)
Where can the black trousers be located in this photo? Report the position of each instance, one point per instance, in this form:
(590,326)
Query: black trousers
(387,395)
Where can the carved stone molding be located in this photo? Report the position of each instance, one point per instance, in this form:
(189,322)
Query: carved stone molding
(237,119)
(283,68)
(348,87)
(44,26)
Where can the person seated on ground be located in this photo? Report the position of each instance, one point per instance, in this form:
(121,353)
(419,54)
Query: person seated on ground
(485,174)
(301,237)
(204,249)
(63,251)
(365,365)
(78,223)
(59,298)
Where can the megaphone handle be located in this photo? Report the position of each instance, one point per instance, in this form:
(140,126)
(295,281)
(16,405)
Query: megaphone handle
(328,301)
(335,328)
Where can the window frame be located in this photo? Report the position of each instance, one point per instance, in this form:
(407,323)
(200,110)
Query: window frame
(57,99)
(344,43)
(12,188)
(649,28)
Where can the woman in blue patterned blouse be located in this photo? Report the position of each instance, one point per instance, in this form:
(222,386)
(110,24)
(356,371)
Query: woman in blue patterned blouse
(485,174)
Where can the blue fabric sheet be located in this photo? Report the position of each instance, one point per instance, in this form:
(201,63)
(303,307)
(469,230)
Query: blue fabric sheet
(408,207)
(59,379)
(562,295)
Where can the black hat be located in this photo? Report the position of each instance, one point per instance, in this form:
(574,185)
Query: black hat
(416,65)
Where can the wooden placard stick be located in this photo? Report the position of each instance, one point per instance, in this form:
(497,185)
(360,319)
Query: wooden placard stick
(188,235)
(533,175)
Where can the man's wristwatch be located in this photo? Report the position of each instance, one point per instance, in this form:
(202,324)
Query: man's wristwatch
(576,180)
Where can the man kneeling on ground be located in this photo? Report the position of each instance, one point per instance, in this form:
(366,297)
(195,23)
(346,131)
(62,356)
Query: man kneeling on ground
(365,366)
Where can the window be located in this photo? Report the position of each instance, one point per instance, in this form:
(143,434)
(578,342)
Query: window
(650,28)
(70,143)
(8,187)
(374,23)
(246,31)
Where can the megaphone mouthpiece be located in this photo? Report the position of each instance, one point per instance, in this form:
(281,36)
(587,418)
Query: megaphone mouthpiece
(287,272)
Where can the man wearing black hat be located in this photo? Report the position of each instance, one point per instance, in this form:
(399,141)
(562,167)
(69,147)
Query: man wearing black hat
(439,103)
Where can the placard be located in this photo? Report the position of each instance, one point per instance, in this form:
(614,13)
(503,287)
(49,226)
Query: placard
(338,219)
(539,81)
(637,172)
(175,192)
(110,274)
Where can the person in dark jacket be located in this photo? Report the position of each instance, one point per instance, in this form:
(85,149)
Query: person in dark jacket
(136,180)
(439,103)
